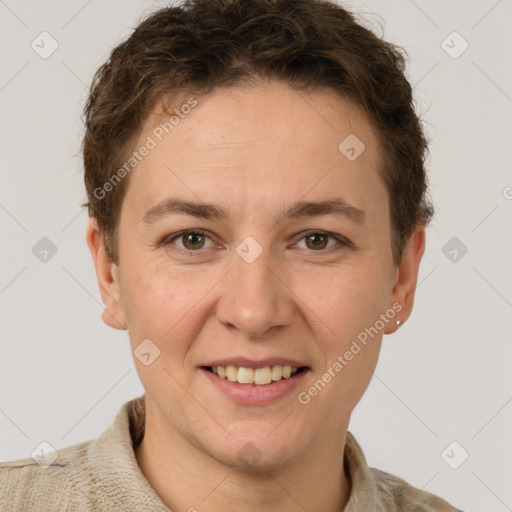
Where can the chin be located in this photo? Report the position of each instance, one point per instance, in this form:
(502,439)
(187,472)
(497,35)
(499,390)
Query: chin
(256,449)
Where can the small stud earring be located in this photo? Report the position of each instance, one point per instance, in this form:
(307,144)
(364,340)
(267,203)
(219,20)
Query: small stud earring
(398,324)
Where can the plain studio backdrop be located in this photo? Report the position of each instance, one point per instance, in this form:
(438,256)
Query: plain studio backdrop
(438,412)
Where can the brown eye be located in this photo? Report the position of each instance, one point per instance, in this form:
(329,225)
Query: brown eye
(316,241)
(193,241)
(189,241)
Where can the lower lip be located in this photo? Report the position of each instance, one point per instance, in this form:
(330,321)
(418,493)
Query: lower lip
(251,394)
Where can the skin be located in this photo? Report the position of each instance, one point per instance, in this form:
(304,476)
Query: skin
(254,151)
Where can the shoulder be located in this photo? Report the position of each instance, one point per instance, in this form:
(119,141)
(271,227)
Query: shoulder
(99,474)
(61,480)
(399,496)
(373,489)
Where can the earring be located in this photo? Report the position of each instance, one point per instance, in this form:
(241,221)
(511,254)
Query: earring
(398,324)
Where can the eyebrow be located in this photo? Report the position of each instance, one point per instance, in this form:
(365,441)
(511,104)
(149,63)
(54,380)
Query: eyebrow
(337,206)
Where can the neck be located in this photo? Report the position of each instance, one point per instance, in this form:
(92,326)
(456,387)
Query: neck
(188,479)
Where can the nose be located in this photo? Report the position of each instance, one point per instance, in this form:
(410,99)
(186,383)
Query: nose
(255,297)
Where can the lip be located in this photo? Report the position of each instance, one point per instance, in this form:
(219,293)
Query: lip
(252,363)
(251,394)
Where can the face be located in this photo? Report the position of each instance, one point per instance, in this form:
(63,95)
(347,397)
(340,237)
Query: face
(289,265)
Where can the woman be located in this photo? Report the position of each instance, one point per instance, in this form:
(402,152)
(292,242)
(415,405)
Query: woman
(257,201)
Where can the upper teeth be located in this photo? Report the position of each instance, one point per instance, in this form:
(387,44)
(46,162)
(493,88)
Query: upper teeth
(258,376)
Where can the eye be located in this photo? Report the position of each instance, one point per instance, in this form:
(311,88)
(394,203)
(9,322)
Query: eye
(318,240)
(195,240)
(192,241)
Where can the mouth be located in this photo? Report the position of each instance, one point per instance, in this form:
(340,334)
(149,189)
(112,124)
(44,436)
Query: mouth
(255,376)
(255,382)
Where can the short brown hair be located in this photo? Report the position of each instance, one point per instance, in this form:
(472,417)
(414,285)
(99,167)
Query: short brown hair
(207,44)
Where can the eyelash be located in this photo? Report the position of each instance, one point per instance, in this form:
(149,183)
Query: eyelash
(169,240)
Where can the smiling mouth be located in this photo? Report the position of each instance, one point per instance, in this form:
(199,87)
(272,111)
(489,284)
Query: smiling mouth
(255,376)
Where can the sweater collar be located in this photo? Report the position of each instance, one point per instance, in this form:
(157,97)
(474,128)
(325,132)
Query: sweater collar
(113,457)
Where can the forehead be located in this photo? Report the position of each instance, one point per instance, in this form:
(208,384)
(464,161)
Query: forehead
(270,108)
(266,144)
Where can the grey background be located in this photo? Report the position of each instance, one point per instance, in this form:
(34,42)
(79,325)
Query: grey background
(444,377)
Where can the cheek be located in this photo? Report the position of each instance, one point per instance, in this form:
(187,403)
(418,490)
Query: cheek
(170,306)
(157,301)
(348,303)
(350,306)
(345,300)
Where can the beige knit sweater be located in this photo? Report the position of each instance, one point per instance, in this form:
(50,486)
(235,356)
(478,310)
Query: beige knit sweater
(103,475)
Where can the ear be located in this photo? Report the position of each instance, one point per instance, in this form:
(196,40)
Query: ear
(406,278)
(107,274)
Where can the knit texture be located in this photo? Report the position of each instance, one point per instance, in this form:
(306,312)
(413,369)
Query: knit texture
(103,475)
